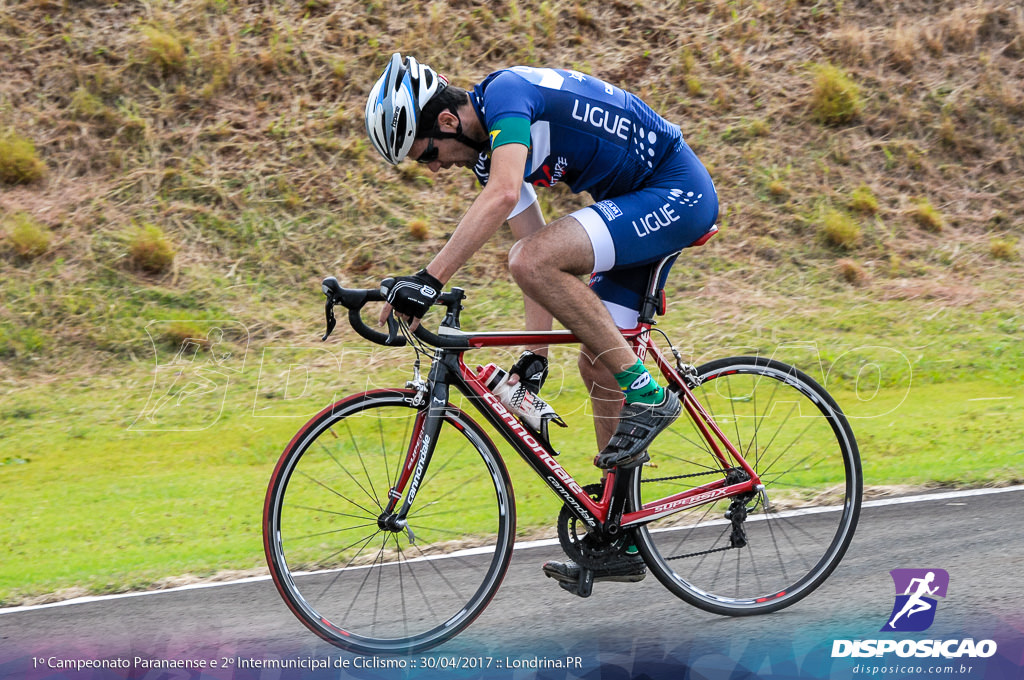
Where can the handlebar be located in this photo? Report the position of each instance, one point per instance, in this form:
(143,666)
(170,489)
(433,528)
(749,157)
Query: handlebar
(354,299)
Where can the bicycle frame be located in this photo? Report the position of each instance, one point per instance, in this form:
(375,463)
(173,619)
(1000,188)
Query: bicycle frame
(316,500)
(606,514)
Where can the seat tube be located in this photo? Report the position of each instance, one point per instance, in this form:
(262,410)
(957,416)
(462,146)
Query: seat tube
(621,479)
(641,342)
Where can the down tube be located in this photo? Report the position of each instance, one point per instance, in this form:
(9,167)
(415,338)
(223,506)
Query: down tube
(535,451)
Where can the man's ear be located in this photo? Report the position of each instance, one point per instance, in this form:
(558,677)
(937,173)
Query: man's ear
(447,121)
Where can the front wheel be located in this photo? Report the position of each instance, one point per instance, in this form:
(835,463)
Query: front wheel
(757,554)
(358,582)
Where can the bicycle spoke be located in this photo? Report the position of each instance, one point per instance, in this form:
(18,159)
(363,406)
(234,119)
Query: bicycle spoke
(749,558)
(697,442)
(390,586)
(759,452)
(329,532)
(440,573)
(336,493)
(366,542)
(346,471)
(769,407)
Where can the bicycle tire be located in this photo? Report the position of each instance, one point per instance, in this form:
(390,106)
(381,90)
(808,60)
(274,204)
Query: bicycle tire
(368,590)
(797,439)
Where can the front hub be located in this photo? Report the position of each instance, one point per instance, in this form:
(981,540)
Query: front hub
(389,521)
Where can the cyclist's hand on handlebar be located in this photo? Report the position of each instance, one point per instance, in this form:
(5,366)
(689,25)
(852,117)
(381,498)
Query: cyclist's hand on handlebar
(411,296)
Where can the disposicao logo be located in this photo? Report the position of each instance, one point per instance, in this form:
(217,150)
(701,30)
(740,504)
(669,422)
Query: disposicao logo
(914,611)
(916,590)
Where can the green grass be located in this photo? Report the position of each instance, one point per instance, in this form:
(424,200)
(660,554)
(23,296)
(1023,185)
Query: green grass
(836,98)
(19,161)
(240,135)
(103,490)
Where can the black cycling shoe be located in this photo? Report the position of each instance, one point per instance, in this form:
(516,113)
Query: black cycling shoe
(638,425)
(621,569)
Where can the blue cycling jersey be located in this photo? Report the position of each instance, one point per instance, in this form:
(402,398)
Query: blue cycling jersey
(653,196)
(583,132)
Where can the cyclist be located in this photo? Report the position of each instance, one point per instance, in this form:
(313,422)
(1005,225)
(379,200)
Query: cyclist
(524,127)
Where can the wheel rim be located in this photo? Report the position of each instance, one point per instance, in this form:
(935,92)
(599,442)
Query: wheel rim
(368,588)
(794,437)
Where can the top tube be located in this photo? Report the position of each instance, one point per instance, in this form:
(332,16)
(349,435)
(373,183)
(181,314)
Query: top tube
(449,336)
(506,338)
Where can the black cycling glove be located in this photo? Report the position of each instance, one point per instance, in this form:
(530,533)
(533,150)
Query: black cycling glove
(532,370)
(411,295)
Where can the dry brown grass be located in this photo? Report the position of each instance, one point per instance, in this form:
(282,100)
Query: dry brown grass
(238,128)
(904,47)
(853,272)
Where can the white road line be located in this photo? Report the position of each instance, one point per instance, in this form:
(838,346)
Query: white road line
(118,596)
(526,545)
(966,493)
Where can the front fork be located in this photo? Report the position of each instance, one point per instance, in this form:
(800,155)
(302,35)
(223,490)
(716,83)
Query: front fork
(417,458)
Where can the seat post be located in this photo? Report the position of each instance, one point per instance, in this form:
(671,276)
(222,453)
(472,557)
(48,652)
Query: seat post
(654,297)
(653,302)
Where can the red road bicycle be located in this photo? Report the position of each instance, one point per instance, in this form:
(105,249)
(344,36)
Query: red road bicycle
(390,519)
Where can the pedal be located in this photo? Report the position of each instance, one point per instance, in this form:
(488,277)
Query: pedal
(643,458)
(585,584)
(583,587)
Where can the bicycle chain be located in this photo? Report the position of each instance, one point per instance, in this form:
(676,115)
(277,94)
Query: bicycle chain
(737,515)
(692,474)
(702,552)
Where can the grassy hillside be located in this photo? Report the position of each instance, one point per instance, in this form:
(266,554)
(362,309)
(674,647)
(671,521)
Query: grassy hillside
(176,177)
(206,158)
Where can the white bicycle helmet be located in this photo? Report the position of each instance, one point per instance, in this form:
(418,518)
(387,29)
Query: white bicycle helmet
(394,105)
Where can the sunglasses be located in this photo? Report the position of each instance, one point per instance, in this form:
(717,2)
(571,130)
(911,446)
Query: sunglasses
(429,154)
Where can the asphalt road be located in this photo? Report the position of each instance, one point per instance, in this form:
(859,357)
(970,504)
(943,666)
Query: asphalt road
(623,630)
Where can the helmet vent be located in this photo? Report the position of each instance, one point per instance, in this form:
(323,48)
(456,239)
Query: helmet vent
(401,127)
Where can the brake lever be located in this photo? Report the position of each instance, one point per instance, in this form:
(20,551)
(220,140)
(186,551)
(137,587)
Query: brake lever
(329,313)
(393,329)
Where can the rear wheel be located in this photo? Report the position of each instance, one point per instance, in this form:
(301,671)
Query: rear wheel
(363,584)
(761,553)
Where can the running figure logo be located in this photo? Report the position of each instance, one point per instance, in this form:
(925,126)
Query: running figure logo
(915,605)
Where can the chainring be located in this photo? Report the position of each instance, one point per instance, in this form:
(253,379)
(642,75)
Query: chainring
(584,547)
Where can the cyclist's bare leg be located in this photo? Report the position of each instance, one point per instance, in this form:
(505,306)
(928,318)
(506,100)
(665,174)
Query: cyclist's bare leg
(547,265)
(522,225)
(605,396)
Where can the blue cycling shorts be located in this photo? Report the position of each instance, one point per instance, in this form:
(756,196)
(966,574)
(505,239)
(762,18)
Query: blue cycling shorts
(630,234)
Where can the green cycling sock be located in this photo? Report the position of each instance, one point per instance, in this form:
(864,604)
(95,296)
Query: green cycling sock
(639,386)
